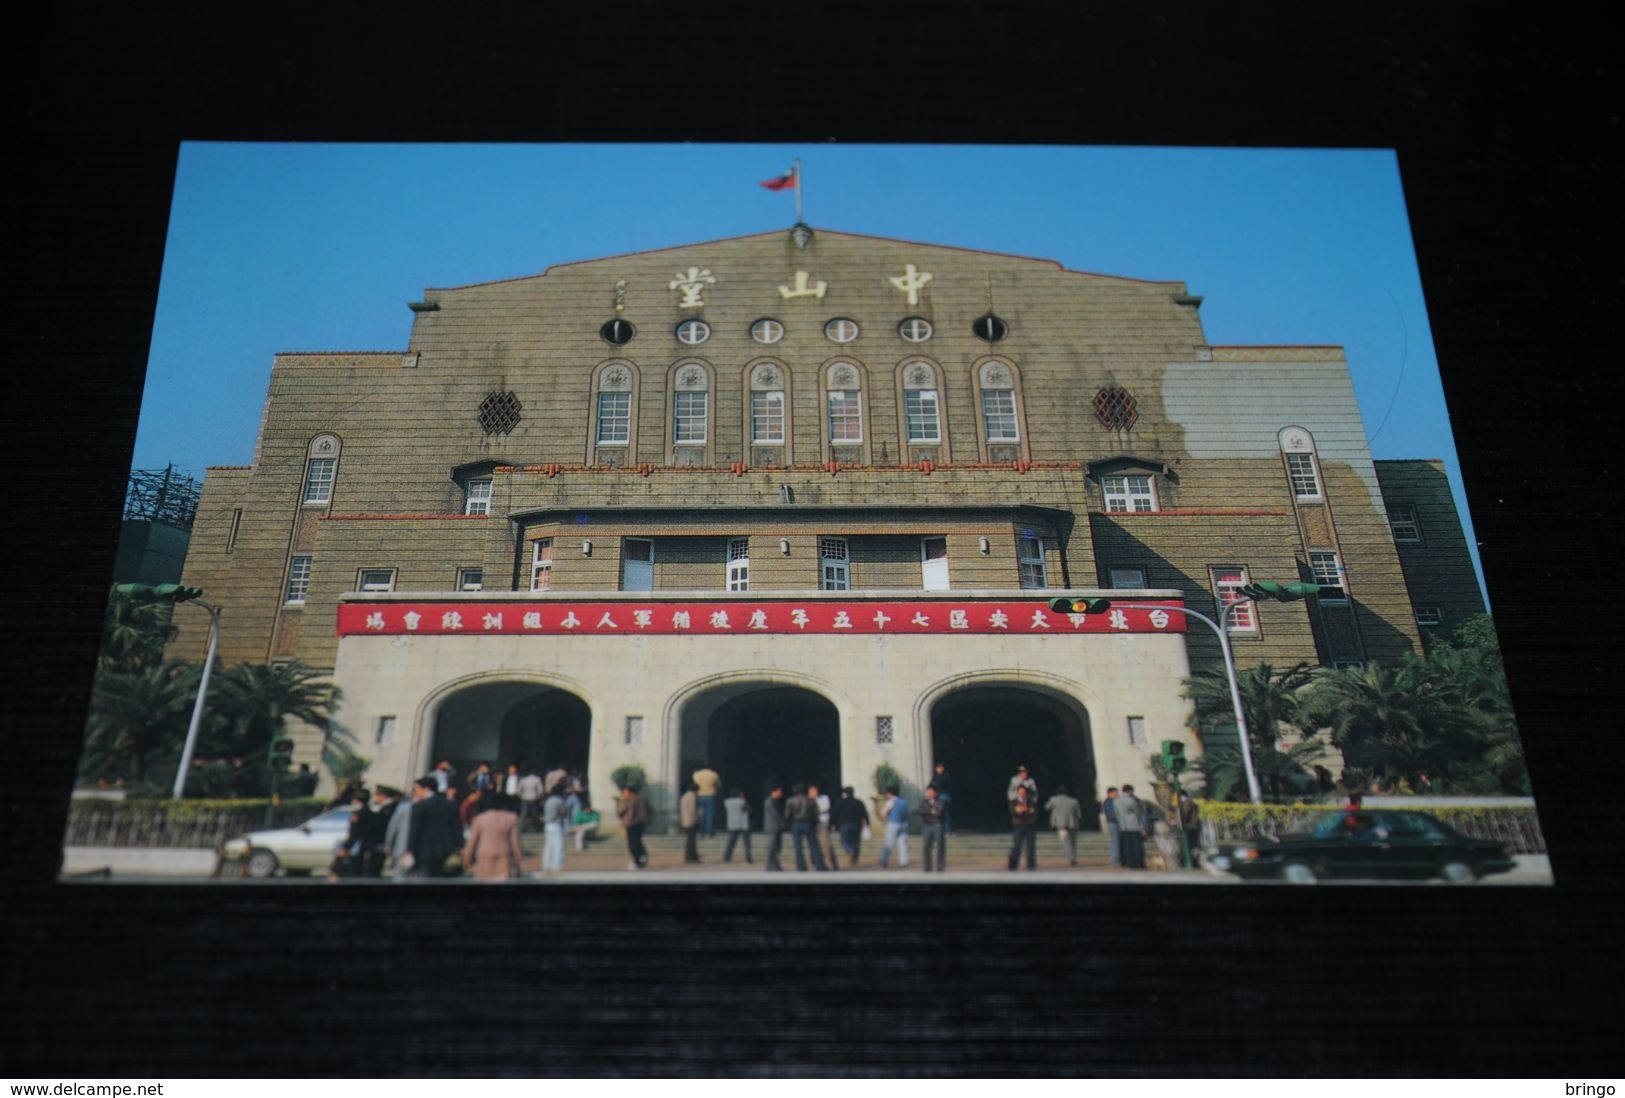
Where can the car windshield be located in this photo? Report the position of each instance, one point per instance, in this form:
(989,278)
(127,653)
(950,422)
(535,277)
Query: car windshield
(1414,825)
(1336,824)
(330,821)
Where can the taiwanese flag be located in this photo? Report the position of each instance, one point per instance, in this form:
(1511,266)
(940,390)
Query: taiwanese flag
(788,179)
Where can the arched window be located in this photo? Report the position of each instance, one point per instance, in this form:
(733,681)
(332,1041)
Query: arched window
(321,470)
(612,436)
(691,438)
(767,412)
(998,394)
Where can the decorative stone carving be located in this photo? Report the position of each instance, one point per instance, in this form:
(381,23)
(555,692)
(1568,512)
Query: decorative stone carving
(616,379)
(691,378)
(996,375)
(766,376)
(324,445)
(843,376)
(1295,440)
(920,376)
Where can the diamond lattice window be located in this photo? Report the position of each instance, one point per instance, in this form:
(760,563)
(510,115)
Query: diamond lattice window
(499,413)
(1115,408)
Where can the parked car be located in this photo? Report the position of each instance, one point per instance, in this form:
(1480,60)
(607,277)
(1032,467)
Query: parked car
(300,849)
(1383,844)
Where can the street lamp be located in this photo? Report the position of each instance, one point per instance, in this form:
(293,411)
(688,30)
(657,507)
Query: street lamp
(1280,592)
(174,592)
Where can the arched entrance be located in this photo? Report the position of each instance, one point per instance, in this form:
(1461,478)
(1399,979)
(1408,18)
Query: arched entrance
(507,721)
(753,732)
(984,732)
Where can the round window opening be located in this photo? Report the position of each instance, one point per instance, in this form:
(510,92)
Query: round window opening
(916,329)
(990,328)
(767,330)
(617,331)
(693,332)
(841,330)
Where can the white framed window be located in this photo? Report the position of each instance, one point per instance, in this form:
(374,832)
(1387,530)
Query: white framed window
(688,417)
(693,332)
(1305,481)
(1138,734)
(916,329)
(477,499)
(1429,615)
(767,330)
(934,564)
(1130,493)
(1402,520)
(739,564)
(845,415)
(298,579)
(767,416)
(1328,572)
(614,419)
(835,567)
(634,729)
(319,479)
(376,579)
(841,330)
(999,415)
(541,564)
(637,564)
(470,579)
(1127,578)
(1030,563)
(1228,580)
(386,731)
(920,406)
(885,729)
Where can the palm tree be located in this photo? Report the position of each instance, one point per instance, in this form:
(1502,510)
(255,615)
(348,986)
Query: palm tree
(1270,698)
(136,716)
(1392,720)
(134,633)
(252,704)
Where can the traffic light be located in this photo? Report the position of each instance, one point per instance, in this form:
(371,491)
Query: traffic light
(1080,606)
(1173,756)
(280,755)
(1280,592)
(163,592)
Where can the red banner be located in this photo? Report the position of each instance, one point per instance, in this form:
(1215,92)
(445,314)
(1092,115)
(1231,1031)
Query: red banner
(554,619)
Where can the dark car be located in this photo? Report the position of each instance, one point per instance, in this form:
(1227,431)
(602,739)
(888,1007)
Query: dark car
(1382,843)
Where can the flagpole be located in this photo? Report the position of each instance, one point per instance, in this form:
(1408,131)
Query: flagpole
(797,165)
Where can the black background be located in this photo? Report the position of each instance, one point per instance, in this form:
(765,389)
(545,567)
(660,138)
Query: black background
(1503,128)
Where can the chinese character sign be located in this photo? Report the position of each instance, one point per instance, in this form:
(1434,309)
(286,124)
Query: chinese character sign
(787,616)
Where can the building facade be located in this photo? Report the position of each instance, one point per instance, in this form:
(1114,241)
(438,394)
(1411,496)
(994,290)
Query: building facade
(794,504)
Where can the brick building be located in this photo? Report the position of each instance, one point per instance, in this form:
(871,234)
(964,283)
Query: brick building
(794,503)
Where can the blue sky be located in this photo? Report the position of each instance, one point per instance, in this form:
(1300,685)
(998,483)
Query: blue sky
(295,247)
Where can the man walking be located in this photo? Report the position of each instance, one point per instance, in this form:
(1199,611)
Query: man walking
(851,816)
(398,830)
(436,833)
(945,793)
(933,817)
(530,798)
(688,818)
(372,828)
(896,829)
(709,784)
(825,832)
(1131,822)
(633,812)
(773,826)
(1024,828)
(1114,830)
(1066,816)
(737,810)
(802,815)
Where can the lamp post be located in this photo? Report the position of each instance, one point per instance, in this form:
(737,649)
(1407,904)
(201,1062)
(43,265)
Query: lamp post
(174,592)
(1281,592)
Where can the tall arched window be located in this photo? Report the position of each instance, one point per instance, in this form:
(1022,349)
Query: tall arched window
(767,413)
(612,436)
(691,438)
(923,425)
(846,434)
(321,470)
(1000,411)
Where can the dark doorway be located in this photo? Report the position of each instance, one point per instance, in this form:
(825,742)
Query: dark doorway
(751,734)
(513,722)
(985,732)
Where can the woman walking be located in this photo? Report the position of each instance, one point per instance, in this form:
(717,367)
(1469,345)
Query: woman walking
(492,850)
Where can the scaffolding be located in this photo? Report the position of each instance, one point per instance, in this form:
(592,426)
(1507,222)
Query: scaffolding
(162,495)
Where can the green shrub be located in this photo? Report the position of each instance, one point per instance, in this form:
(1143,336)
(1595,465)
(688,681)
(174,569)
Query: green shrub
(629,776)
(886,776)
(1517,824)
(163,822)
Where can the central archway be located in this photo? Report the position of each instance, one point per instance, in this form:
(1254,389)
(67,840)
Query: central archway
(508,721)
(984,732)
(752,732)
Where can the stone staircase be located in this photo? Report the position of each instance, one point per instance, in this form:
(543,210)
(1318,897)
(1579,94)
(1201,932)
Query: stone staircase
(964,847)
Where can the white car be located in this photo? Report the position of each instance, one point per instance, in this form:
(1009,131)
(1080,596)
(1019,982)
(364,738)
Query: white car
(300,849)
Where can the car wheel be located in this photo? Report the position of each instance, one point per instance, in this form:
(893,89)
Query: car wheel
(1301,873)
(1458,873)
(261,863)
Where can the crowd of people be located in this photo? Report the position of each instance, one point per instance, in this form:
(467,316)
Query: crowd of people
(449,826)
